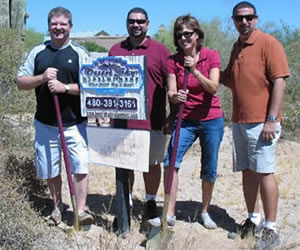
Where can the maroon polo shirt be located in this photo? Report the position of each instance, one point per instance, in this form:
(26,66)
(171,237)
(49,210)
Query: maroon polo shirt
(200,104)
(156,58)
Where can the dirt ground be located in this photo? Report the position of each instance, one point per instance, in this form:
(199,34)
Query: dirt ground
(227,207)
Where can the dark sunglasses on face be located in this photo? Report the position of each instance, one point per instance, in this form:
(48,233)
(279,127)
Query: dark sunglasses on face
(186,34)
(240,18)
(138,21)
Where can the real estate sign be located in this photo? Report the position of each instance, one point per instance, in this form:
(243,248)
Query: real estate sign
(114,87)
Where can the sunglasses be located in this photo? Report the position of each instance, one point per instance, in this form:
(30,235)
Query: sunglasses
(186,34)
(138,21)
(240,18)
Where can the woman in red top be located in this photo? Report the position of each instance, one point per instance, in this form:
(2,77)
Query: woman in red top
(202,113)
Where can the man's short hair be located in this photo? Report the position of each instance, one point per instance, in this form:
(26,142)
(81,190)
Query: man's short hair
(243,4)
(137,10)
(60,11)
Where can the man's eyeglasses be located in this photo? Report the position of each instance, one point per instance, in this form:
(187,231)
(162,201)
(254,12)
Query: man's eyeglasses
(138,21)
(238,18)
(186,34)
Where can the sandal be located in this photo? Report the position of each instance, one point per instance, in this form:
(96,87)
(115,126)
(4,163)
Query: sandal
(85,218)
(55,218)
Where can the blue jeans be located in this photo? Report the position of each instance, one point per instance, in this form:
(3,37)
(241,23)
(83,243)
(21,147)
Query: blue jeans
(210,134)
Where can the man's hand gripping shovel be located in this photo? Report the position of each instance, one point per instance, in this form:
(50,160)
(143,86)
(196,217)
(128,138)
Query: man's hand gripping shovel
(158,237)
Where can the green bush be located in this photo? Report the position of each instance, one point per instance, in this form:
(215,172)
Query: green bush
(16,107)
(33,38)
(93,47)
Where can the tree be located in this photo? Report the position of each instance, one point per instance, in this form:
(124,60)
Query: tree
(93,47)
(33,38)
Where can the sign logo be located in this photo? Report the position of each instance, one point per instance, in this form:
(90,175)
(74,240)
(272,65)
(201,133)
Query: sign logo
(114,87)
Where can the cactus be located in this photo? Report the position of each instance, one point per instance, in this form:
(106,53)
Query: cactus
(13,14)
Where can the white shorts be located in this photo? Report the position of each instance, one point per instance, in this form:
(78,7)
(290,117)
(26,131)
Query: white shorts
(158,141)
(48,149)
(250,151)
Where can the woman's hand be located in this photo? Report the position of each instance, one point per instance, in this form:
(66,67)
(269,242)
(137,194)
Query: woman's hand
(179,97)
(189,62)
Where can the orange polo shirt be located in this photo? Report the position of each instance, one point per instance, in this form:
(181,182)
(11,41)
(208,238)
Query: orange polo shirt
(249,74)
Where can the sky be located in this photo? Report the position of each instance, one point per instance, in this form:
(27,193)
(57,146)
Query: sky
(110,15)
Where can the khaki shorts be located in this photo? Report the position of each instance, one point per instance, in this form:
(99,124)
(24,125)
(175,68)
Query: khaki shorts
(250,151)
(48,149)
(158,142)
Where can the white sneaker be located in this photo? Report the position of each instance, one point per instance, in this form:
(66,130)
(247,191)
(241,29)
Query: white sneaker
(156,222)
(171,220)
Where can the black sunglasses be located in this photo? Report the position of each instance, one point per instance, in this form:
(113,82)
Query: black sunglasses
(186,34)
(138,21)
(240,18)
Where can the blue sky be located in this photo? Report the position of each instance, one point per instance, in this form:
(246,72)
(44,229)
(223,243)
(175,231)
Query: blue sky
(110,15)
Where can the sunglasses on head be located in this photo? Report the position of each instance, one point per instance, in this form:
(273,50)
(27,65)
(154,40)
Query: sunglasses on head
(138,21)
(239,18)
(186,34)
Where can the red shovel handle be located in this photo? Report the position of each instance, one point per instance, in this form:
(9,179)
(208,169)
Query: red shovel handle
(64,146)
(177,134)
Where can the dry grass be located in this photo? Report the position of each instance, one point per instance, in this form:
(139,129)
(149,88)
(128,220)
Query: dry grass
(228,207)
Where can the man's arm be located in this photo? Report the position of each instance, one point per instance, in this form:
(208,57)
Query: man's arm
(56,87)
(224,78)
(49,76)
(277,97)
(28,82)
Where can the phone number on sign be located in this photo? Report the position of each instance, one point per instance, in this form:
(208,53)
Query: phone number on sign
(111,103)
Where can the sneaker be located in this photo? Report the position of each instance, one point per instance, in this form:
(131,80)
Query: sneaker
(171,220)
(248,228)
(156,222)
(85,218)
(150,210)
(55,217)
(208,223)
(269,240)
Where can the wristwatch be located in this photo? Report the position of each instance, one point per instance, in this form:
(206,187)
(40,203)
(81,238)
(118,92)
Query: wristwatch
(272,118)
(67,88)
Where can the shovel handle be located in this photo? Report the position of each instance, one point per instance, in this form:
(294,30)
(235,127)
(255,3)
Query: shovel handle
(67,162)
(64,146)
(177,134)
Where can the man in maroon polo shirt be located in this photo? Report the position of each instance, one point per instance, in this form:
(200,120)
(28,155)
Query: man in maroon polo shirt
(139,44)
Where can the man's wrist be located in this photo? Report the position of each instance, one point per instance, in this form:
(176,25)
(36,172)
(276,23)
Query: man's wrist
(67,88)
(272,118)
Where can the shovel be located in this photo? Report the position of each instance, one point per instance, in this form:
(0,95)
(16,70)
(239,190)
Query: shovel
(158,237)
(67,163)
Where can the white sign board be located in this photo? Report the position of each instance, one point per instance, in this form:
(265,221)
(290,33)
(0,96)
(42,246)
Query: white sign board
(120,148)
(114,87)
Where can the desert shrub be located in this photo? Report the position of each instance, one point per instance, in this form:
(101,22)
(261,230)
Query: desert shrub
(33,38)
(21,171)
(20,225)
(93,47)
(16,107)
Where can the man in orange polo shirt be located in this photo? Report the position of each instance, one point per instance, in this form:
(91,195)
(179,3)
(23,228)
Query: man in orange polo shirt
(256,74)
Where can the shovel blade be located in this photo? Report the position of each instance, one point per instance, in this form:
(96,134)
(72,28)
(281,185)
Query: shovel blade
(158,239)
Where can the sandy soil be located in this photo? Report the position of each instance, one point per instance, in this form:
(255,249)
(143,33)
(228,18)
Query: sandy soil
(227,208)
